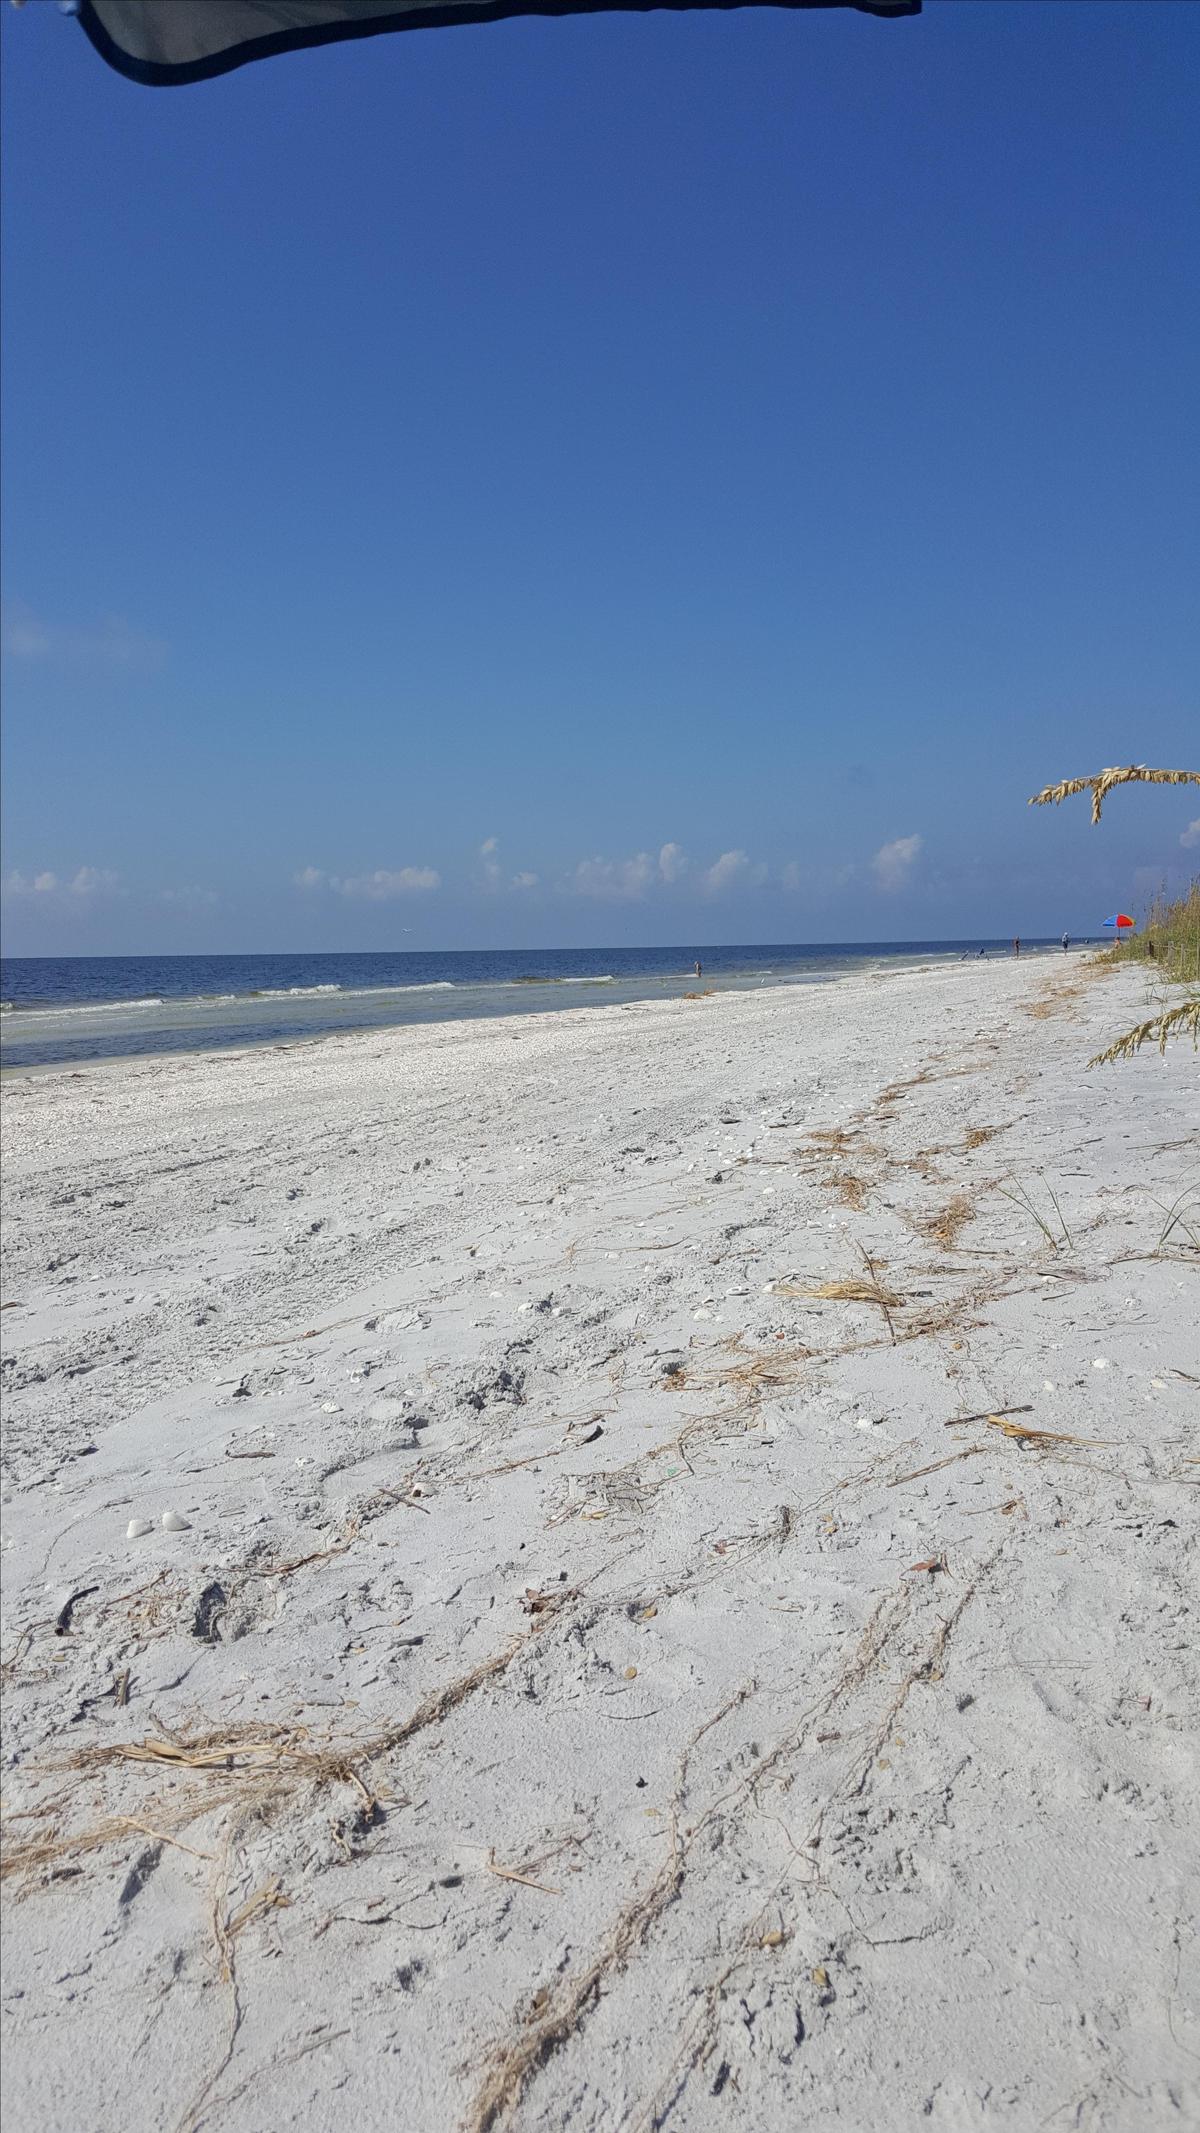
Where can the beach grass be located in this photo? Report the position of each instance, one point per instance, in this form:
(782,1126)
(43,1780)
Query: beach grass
(1168,936)
(1167,944)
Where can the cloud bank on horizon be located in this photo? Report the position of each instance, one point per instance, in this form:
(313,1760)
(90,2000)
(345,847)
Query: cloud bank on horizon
(606,880)
(86,906)
(636,879)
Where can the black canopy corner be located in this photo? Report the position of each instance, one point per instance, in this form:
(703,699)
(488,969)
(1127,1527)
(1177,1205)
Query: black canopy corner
(162,43)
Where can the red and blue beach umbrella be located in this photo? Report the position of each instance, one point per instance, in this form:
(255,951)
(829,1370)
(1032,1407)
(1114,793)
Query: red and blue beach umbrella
(1118,920)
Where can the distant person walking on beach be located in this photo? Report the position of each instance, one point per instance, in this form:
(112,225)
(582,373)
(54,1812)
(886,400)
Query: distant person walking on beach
(1016,944)
(1066,942)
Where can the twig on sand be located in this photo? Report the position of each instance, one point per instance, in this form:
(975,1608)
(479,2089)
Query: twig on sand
(972,1452)
(509,1873)
(225,1929)
(515,2061)
(1024,1435)
(927,1667)
(987,1414)
(160,1836)
(312,1333)
(298,1562)
(518,2058)
(882,1298)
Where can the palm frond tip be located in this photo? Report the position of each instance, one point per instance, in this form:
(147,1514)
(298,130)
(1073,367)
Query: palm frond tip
(1102,784)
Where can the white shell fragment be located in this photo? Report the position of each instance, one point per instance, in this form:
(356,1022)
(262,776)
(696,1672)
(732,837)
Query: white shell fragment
(136,1527)
(174,1522)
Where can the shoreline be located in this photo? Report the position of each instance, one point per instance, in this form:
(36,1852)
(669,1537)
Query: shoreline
(683,1568)
(476,999)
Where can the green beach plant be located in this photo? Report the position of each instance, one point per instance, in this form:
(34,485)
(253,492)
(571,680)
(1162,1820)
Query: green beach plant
(1018,1193)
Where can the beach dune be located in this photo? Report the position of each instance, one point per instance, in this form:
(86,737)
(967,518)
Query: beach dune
(675,1609)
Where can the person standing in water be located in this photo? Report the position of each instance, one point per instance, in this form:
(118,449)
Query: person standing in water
(699,968)
(1016,944)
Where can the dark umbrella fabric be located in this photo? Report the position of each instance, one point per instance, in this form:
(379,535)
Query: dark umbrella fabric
(162,42)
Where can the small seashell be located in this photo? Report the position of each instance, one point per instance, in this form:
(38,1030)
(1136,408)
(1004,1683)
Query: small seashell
(174,1522)
(136,1527)
(1099,1362)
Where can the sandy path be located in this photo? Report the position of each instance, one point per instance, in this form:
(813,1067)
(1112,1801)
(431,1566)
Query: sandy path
(575,1739)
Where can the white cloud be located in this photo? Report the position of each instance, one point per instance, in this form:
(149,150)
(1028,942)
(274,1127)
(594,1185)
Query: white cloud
(627,880)
(1191,835)
(378,888)
(893,863)
(723,872)
(190,898)
(111,646)
(386,883)
(86,882)
(93,881)
(16,884)
(614,880)
(491,875)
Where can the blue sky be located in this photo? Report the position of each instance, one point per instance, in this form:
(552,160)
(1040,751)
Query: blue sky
(626,479)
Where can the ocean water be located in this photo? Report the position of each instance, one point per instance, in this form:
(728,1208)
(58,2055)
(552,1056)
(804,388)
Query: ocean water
(64,1009)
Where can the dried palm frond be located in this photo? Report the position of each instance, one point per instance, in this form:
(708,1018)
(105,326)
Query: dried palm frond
(1101,785)
(251,1765)
(943,1227)
(1173,1022)
(852,1291)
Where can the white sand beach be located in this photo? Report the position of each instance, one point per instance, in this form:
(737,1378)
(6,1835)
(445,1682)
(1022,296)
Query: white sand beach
(596,1681)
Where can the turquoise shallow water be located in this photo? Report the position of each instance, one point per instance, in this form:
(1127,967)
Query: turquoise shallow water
(64,1009)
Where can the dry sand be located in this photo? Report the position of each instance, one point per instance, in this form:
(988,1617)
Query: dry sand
(602,1684)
